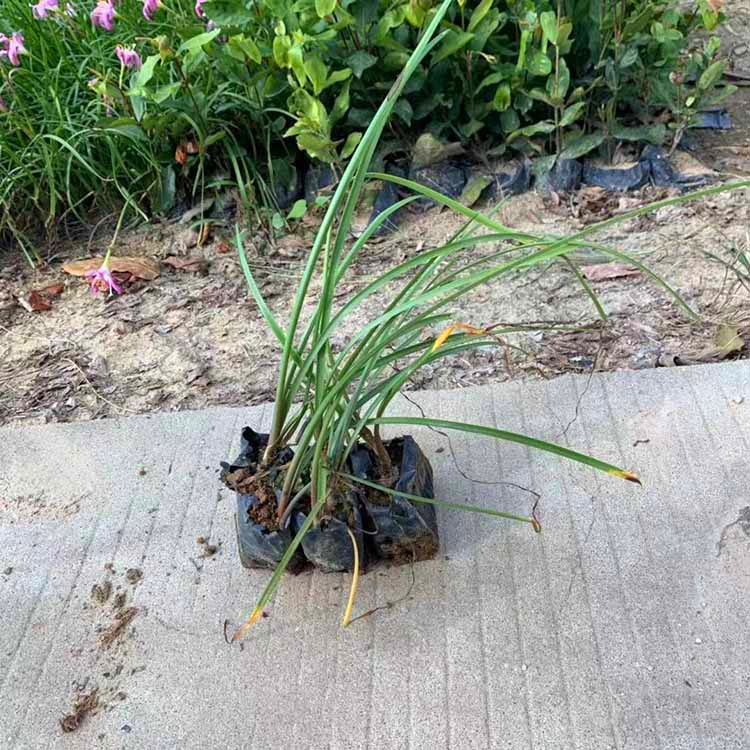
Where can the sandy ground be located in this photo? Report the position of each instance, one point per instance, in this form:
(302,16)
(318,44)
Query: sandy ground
(187,340)
(193,338)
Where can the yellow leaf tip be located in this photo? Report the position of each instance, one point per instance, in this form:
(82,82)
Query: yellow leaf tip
(355,580)
(628,476)
(466,327)
(442,338)
(243,629)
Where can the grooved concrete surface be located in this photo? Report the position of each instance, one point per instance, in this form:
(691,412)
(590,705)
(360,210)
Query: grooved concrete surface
(624,625)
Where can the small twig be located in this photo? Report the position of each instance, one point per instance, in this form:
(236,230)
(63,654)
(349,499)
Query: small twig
(95,392)
(468,478)
(389,605)
(95,229)
(579,400)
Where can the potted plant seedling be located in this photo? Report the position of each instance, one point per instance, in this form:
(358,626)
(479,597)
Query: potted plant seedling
(323,485)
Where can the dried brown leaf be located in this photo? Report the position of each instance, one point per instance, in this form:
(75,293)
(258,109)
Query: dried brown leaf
(184,148)
(53,290)
(180,154)
(728,340)
(189,263)
(38,302)
(84,705)
(606,271)
(137,265)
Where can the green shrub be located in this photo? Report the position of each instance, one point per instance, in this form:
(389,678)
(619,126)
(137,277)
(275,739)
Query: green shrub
(238,100)
(59,157)
(506,73)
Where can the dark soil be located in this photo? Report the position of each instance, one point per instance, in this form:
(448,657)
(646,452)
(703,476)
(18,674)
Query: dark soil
(120,600)
(423,549)
(134,575)
(114,632)
(82,707)
(209,550)
(265,513)
(100,592)
(241,481)
(245,481)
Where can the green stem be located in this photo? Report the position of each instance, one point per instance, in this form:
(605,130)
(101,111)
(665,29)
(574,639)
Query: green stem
(114,237)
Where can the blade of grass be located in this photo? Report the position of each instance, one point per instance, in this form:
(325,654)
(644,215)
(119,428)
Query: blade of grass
(593,296)
(556,246)
(253,287)
(284,396)
(512,437)
(355,580)
(278,572)
(437,503)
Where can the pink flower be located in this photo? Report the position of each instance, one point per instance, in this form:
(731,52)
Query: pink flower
(199,8)
(103,15)
(13,48)
(102,280)
(43,7)
(128,57)
(149,8)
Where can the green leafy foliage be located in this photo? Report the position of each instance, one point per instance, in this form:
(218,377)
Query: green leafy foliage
(503,71)
(266,80)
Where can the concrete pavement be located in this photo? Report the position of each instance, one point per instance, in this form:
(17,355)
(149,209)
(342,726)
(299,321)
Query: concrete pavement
(623,625)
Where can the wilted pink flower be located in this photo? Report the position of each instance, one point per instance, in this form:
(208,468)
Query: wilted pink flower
(210,26)
(128,57)
(103,15)
(43,7)
(3,105)
(149,8)
(199,8)
(102,280)
(13,48)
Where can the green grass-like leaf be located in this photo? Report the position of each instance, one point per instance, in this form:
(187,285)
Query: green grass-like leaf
(335,386)
(437,503)
(512,437)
